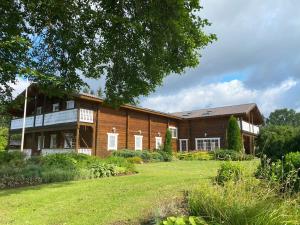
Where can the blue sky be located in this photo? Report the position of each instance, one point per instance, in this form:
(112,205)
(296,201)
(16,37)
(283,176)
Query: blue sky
(256,59)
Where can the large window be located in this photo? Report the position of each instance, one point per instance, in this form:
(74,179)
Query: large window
(174,131)
(138,142)
(183,144)
(53,141)
(112,141)
(69,138)
(207,144)
(158,142)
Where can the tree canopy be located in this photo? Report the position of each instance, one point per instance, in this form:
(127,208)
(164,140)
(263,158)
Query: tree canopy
(134,44)
(284,117)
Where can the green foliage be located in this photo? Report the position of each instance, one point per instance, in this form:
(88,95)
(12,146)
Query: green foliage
(165,156)
(145,155)
(135,160)
(161,39)
(168,143)
(195,155)
(16,172)
(184,220)
(229,172)
(284,117)
(234,138)
(277,141)
(3,138)
(227,154)
(242,203)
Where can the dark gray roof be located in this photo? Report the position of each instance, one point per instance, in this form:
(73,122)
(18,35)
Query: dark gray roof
(219,111)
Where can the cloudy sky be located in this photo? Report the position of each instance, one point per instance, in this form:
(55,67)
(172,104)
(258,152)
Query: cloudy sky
(256,59)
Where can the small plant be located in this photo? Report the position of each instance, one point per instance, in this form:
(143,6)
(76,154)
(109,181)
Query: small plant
(135,160)
(184,220)
(195,156)
(229,172)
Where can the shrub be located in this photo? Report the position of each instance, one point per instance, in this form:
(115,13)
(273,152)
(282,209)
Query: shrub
(229,172)
(156,157)
(11,157)
(135,160)
(121,163)
(18,181)
(167,148)
(65,161)
(242,203)
(234,138)
(226,154)
(102,170)
(166,156)
(3,138)
(277,141)
(184,220)
(195,156)
(58,175)
(145,155)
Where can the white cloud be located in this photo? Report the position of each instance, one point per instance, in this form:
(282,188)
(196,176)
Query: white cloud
(220,94)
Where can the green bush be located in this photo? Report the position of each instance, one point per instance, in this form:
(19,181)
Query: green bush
(227,154)
(167,148)
(156,157)
(18,181)
(121,163)
(228,172)
(165,156)
(11,157)
(195,156)
(234,138)
(184,220)
(102,170)
(3,138)
(145,155)
(58,175)
(135,160)
(277,141)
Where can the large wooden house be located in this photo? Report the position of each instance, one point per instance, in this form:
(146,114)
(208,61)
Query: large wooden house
(84,124)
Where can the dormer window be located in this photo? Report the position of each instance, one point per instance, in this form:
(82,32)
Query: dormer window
(39,110)
(55,107)
(70,104)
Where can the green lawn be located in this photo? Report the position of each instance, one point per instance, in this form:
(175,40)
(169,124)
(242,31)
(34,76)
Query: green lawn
(106,200)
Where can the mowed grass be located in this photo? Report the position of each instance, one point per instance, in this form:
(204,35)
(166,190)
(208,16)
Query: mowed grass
(107,200)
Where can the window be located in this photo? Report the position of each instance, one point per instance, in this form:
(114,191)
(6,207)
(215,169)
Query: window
(70,104)
(158,142)
(41,141)
(183,144)
(53,141)
(69,138)
(55,107)
(39,110)
(112,141)
(173,131)
(138,142)
(207,144)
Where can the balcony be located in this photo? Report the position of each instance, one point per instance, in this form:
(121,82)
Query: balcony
(248,127)
(67,116)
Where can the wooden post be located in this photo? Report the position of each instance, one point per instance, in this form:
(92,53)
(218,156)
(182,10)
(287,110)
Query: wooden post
(77,143)
(96,129)
(94,138)
(149,132)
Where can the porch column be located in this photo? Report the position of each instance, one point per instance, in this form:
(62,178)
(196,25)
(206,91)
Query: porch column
(93,141)
(77,141)
(149,131)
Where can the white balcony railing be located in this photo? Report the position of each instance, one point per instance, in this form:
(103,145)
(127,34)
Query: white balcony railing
(67,116)
(49,151)
(248,127)
(86,151)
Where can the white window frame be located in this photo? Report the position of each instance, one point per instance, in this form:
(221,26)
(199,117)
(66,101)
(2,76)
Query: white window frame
(211,138)
(180,144)
(70,104)
(66,146)
(114,148)
(39,110)
(176,129)
(54,109)
(41,142)
(158,142)
(135,142)
(52,145)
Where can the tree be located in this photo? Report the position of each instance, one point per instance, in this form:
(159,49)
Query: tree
(92,92)
(3,138)
(100,93)
(288,117)
(135,44)
(168,142)
(86,90)
(234,138)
